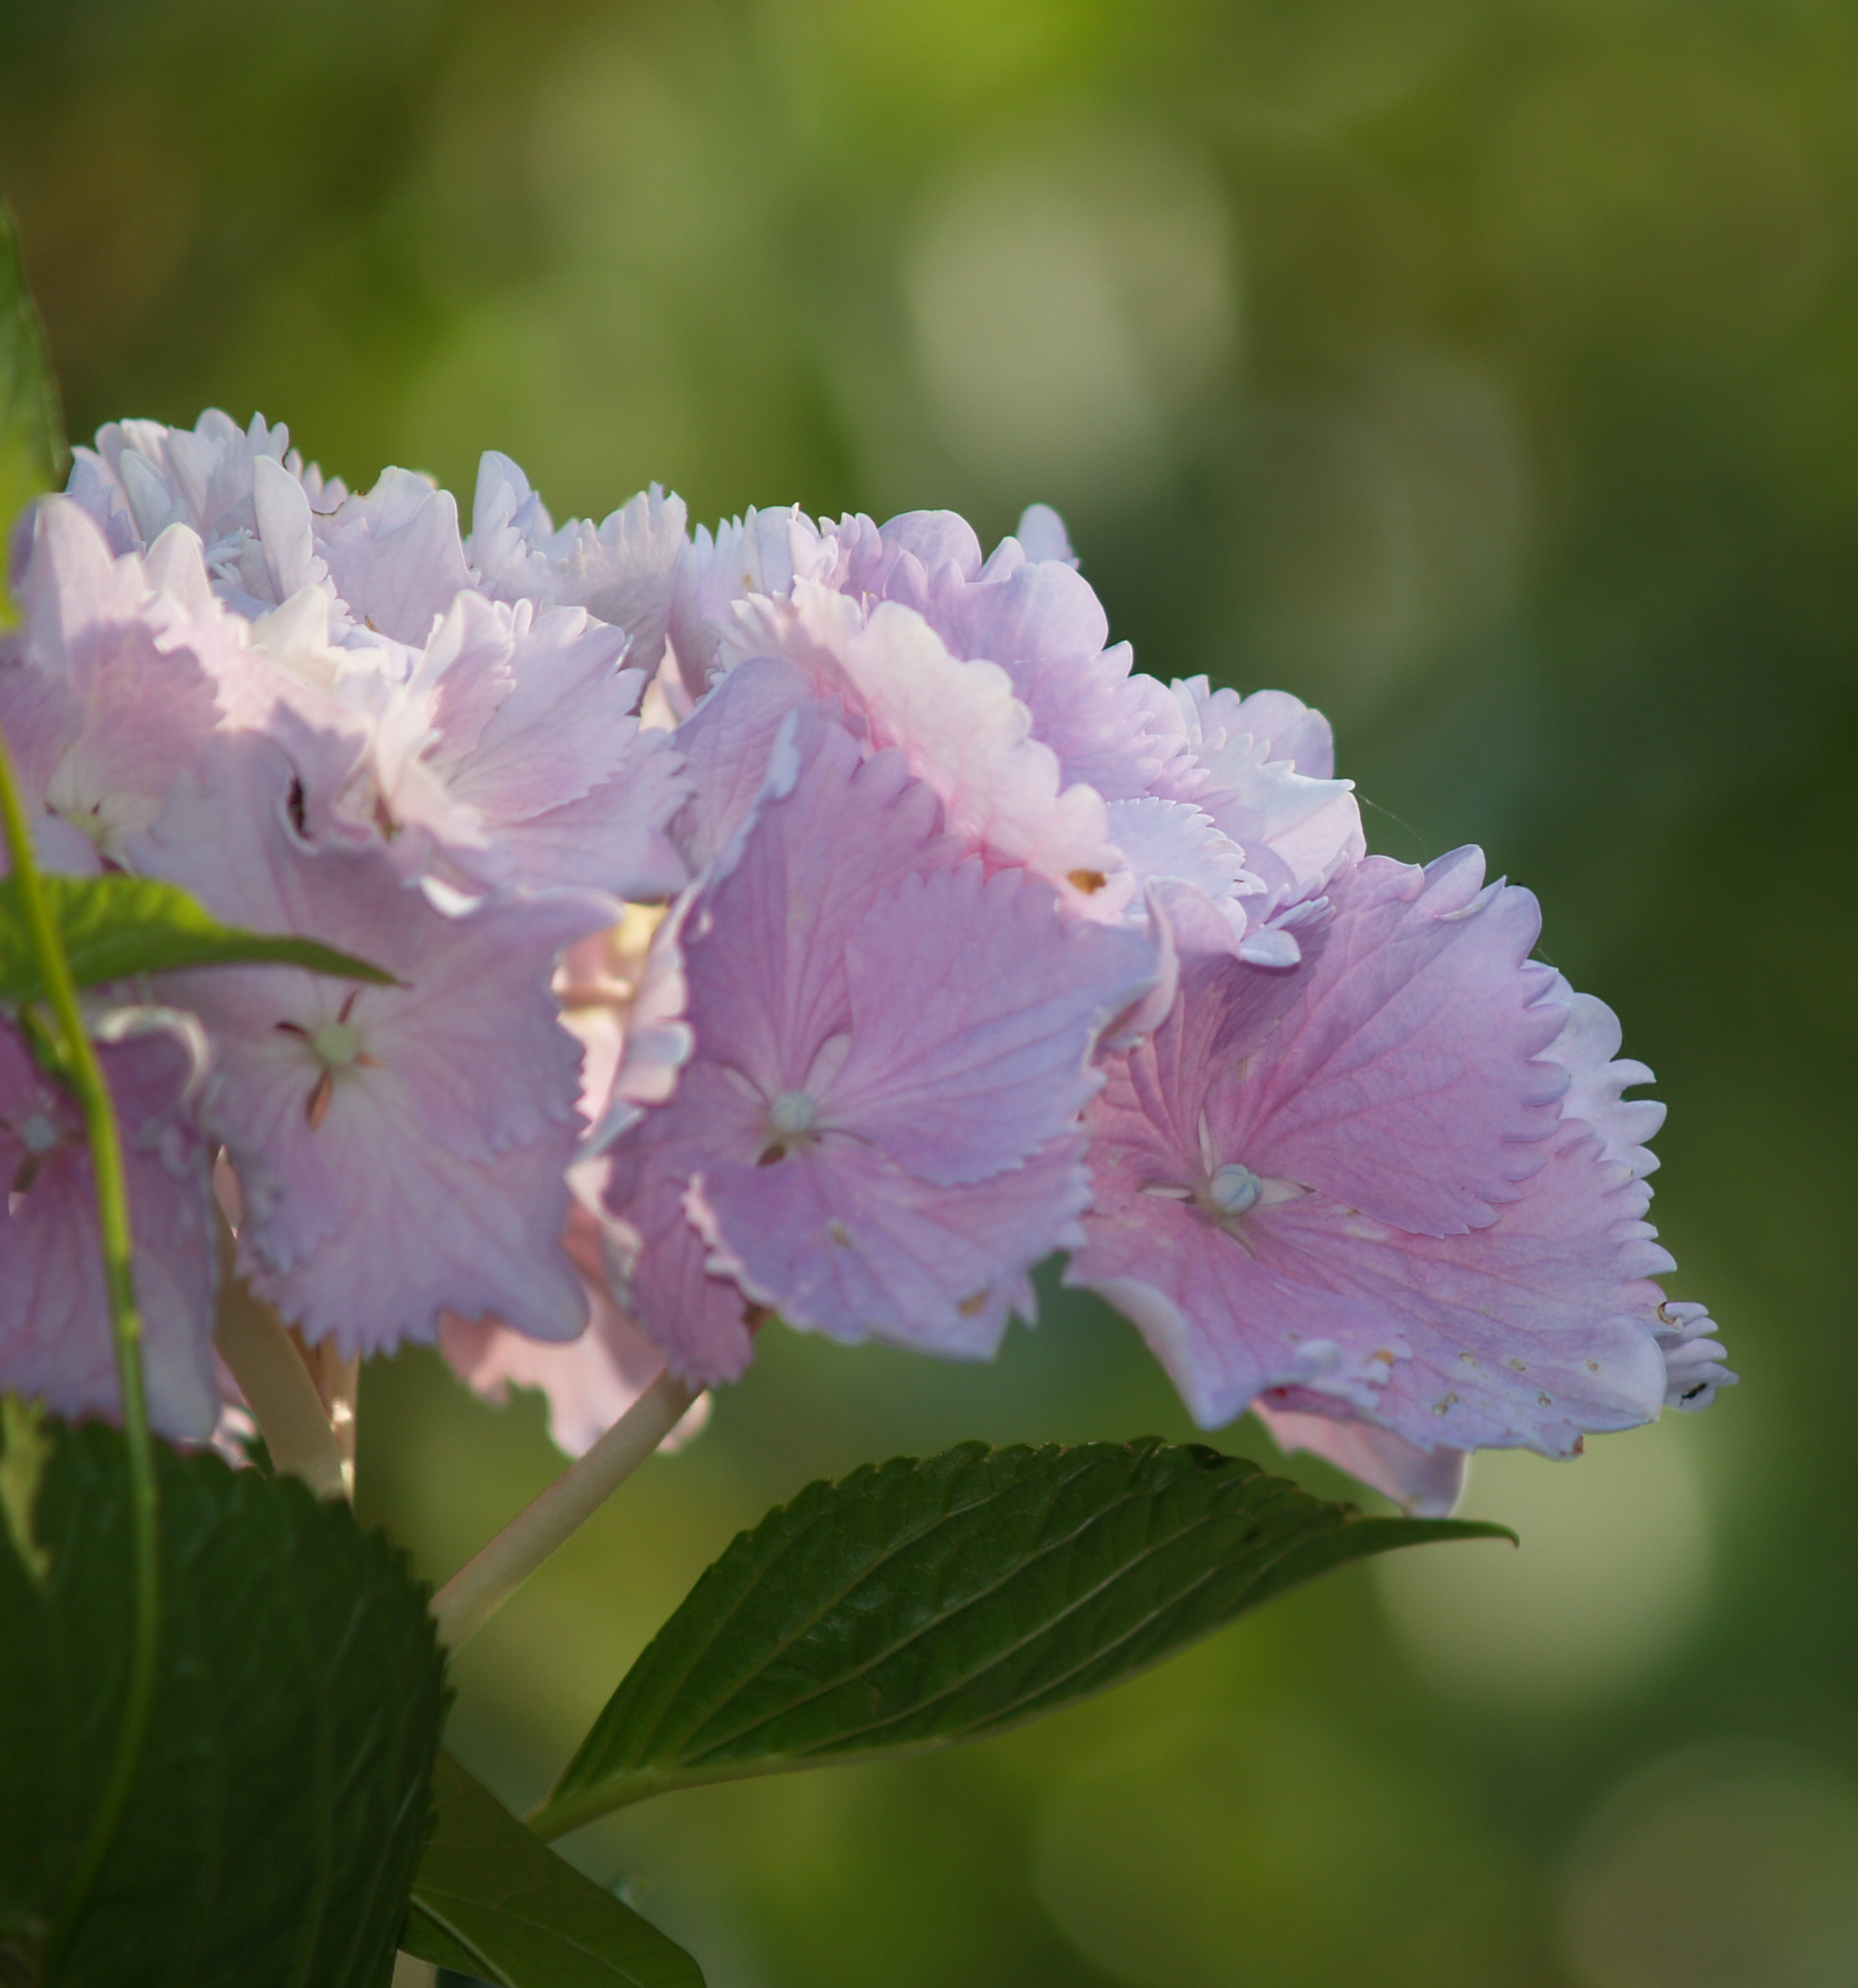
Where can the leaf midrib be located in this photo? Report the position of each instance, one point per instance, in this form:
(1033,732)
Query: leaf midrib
(901,1544)
(1046,1628)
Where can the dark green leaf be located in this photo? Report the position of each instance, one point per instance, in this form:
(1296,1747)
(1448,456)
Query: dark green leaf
(283,1795)
(917,1603)
(33,454)
(489,1900)
(115,927)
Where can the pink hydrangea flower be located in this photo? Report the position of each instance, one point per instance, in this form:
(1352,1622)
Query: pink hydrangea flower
(143,477)
(510,752)
(401,1150)
(1356,1190)
(271,527)
(392,556)
(626,1004)
(55,1340)
(112,689)
(997,678)
(875,1133)
(588,1382)
(1033,615)
(1262,769)
(961,730)
(622,570)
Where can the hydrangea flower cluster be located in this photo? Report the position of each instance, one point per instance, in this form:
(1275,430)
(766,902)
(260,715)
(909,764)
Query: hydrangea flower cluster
(814,921)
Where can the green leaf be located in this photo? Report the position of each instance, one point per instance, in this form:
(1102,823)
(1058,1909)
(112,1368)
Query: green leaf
(489,1900)
(917,1603)
(282,1796)
(33,454)
(115,927)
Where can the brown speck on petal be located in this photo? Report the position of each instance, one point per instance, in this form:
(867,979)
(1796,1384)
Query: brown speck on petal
(841,1235)
(1087,881)
(968,1306)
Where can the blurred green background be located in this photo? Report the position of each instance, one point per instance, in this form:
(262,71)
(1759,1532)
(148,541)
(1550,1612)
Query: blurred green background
(1485,371)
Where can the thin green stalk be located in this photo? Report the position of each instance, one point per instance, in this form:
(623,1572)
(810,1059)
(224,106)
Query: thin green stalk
(488,1580)
(85,1078)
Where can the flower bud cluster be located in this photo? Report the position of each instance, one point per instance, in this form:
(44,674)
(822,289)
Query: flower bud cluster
(818,921)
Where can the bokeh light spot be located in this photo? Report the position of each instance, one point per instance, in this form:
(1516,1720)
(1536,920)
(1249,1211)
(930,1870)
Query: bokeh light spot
(1611,1575)
(1727,1866)
(1066,314)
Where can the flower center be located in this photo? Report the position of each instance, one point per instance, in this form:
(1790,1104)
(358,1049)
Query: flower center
(792,1113)
(1234,1189)
(336,1045)
(37,1134)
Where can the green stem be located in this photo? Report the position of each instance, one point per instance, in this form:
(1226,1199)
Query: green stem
(85,1078)
(486,1581)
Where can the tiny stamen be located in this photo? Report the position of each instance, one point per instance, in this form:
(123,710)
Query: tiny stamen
(316,1107)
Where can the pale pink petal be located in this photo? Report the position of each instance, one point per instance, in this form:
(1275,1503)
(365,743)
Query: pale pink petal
(401,1148)
(1526,1333)
(621,571)
(843,1241)
(559,721)
(962,731)
(135,698)
(42,715)
(1416,1033)
(538,746)
(1428,1482)
(1586,1048)
(831,831)
(614,839)
(589,1382)
(1251,762)
(809,930)
(394,556)
(468,671)
(726,743)
(418,1231)
(144,479)
(1040,530)
(657,1040)
(56,1341)
(1177,842)
(974,1014)
(1536,1325)
(760,552)
(1694,1367)
(510,524)
(1112,729)
(704,1321)
(1161,1251)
